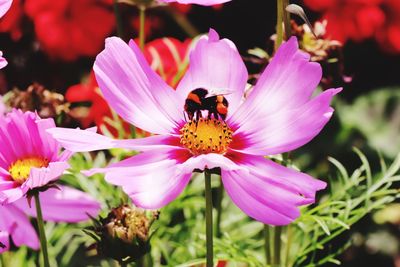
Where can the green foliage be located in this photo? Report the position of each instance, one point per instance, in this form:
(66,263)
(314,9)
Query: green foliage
(377,116)
(179,238)
(351,197)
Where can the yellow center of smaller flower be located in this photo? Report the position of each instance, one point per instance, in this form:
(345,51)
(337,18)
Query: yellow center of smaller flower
(206,136)
(21,168)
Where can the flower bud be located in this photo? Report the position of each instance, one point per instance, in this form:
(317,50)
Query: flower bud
(124,234)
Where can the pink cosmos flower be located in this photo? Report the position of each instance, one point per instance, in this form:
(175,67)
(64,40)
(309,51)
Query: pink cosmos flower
(198,2)
(278,115)
(64,205)
(29,157)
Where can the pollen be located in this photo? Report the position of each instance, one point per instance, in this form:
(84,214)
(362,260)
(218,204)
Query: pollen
(20,169)
(205,136)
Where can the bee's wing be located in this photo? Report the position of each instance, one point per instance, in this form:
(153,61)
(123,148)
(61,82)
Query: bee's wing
(214,92)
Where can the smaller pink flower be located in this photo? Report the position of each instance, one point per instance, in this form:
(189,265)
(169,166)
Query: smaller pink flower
(64,205)
(29,157)
(197,2)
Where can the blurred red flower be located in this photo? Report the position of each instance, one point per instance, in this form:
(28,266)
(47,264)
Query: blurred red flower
(68,29)
(186,8)
(359,20)
(167,56)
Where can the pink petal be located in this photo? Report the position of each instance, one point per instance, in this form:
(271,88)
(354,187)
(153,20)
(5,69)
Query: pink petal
(285,130)
(209,161)
(15,222)
(22,134)
(295,181)
(151,179)
(3,61)
(198,2)
(42,176)
(65,205)
(246,193)
(4,6)
(215,65)
(4,240)
(11,195)
(269,192)
(77,140)
(287,83)
(135,91)
(50,146)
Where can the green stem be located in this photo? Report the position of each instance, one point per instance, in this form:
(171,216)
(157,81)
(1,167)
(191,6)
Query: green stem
(2,262)
(182,21)
(276,260)
(279,24)
(142,37)
(209,220)
(286,20)
(118,20)
(267,244)
(42,234)
(219,208)
(288,245)
(140,262)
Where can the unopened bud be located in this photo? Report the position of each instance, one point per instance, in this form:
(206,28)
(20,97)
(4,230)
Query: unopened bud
(124,234)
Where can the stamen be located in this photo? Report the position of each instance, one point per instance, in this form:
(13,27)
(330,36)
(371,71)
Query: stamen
(205,136)
(20,169)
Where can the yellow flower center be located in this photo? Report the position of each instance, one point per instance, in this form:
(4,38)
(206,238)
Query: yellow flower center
(20,169)
(206,136)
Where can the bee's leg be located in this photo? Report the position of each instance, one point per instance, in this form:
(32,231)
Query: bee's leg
(184,116)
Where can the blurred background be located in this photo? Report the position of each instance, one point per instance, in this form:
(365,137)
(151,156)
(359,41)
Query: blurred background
(51,45)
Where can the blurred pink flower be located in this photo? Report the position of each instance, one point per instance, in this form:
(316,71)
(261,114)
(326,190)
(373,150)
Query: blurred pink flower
(279,115)
(4,7)
(29,157)
(197,2)
(64,205)
(12,21)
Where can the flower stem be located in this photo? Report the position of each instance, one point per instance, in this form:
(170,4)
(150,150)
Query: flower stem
(209,220)
(2,261)
(276,260)
(142,37)
(286,20)
(182,21)
(279,23)
(118,20)
(267,245)
(288,244)
(42,234)
(219,208)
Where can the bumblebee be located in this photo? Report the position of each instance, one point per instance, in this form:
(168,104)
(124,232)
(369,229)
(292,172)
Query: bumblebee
(197,101)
